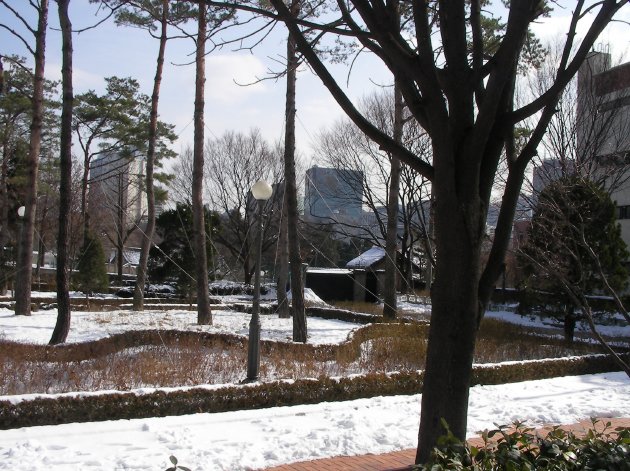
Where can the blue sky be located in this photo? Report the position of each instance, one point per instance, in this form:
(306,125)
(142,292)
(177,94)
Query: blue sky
(110,50)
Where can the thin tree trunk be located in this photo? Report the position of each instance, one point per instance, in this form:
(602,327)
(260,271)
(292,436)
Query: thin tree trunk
(24,274)
(586,309)
(120,241)
(391,240)
(204,315)
(428,248)
(41,249)
(283,261)
(4,215)
(141,276)
(62,327)
(85,179)
(297,287)
(4,206)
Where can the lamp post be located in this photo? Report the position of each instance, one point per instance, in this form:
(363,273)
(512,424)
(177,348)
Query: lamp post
(20,218)
(261,191)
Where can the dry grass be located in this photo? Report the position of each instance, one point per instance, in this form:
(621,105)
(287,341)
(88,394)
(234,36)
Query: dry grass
(139,360)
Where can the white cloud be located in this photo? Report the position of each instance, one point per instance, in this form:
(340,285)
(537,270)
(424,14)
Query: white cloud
(615,35)
(82,79)
(231,78)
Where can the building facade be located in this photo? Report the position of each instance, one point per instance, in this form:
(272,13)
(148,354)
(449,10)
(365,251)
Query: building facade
(117,202)
(604,96)
(334,196)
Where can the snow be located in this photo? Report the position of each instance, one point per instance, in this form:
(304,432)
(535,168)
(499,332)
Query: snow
(332,271)
(538,321)
(507,314)
(248,440)
(367,258)
(86,326)
(310,298)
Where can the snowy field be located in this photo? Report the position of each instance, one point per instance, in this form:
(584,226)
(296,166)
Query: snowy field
(248,440)
(87,326)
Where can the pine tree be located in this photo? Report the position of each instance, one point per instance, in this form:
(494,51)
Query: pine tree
(92,270)
(574,220)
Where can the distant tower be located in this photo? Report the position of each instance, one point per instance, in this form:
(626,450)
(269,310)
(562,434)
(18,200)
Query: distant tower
(333,196)
(117,182)
(117,202)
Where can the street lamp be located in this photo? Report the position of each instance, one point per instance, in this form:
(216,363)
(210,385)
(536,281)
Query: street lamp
(261,191)
(20,213)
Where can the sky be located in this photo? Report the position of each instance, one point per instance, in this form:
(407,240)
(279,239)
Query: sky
(110,50)
(246,440)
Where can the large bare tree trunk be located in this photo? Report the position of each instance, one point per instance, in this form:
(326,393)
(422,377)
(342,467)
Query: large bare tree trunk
(453,327)
(295,260)
(141,277)
(283,261)
(391,242)
(204,315)
(24,273)
(62,327)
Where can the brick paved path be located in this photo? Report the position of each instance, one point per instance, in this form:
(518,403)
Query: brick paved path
(402,460)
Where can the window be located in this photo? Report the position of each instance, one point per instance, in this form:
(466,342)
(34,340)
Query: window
(624,212)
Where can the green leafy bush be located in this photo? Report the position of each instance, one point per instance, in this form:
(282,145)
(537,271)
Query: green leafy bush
(520,448)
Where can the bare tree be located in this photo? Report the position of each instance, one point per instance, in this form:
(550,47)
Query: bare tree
(462,94)
(117,201)
(345,147)
(587,135)
(391,237)
(235,161)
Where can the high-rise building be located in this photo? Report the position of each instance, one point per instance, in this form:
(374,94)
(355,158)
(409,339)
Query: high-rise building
(604,97)
(117,206)
(333,196)
(117,184)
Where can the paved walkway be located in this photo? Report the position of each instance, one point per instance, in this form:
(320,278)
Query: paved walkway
(402,460)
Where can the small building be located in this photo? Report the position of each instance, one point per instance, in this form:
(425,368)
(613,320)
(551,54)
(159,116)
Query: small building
(363,278)
(330,284)
(368,272)
(131,260)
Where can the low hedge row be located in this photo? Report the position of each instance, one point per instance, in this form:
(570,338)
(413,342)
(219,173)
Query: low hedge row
(99,407)
(172,338)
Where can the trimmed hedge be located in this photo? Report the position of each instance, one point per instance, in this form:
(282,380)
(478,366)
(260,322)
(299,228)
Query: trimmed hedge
(112,406)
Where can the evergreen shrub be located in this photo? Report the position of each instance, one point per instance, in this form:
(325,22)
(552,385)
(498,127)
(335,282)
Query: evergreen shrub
(521,448)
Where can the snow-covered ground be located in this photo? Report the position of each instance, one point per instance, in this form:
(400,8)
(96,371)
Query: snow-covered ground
(507,314)
(248,440)
(85,326)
